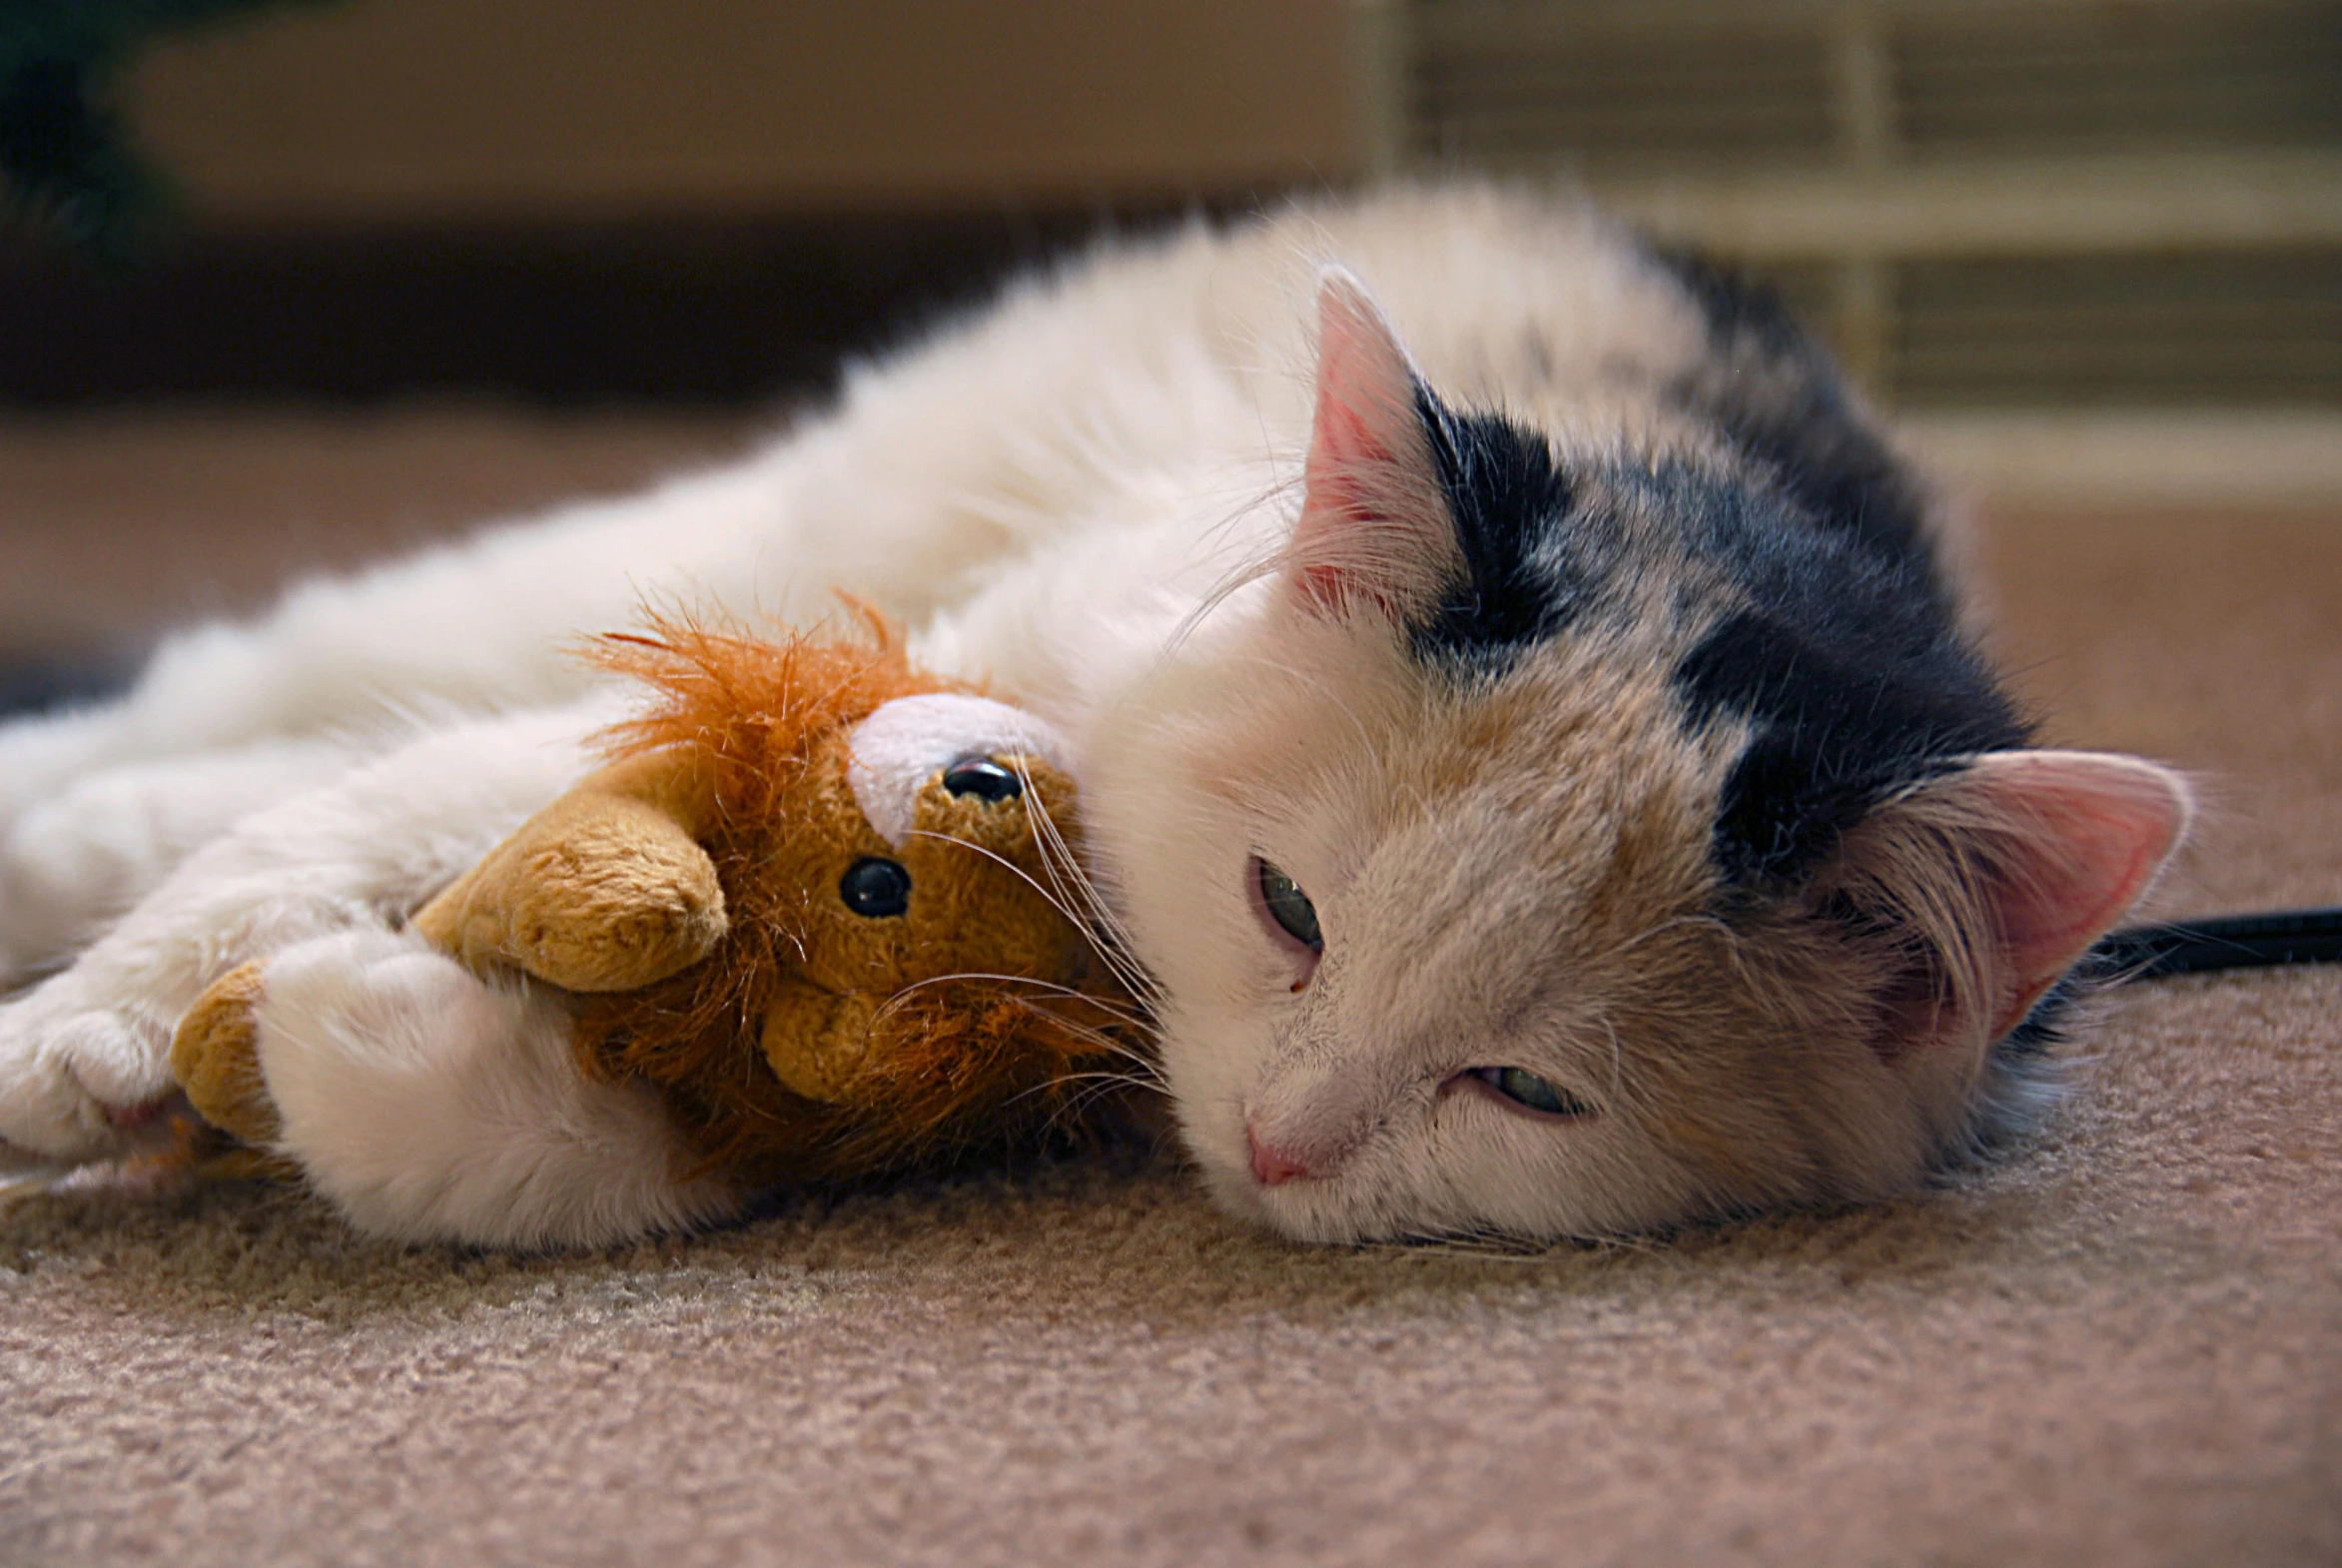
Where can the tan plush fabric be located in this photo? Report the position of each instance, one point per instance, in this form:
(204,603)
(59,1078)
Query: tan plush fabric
(215,1057)
(2121,1344)
(603,890)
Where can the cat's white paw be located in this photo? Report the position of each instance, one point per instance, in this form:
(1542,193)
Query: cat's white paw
(76,1083)
(429,1105)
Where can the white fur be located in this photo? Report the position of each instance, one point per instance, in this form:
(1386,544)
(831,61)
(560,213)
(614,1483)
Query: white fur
(431,1107)
(1056,498)
(909,740)
(72,864)
(89,1043)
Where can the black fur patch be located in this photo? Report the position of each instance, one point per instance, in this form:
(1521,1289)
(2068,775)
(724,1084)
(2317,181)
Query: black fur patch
(1770,389)
(1846,657)
(2046,1025)
(1734,304)
(1842,717)
(1507,502)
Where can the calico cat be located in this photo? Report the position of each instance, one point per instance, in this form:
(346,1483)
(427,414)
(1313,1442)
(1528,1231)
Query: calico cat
(1532,743)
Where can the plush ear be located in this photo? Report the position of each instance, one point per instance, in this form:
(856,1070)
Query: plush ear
(1375,530)
(2005,874)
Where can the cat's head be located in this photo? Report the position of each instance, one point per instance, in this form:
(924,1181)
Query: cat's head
(1569,845)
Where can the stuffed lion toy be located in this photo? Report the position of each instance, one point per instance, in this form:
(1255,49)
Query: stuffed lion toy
(814,919)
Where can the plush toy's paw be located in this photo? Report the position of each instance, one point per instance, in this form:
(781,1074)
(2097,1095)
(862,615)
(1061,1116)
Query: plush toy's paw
(604,889)
(816,1039)
(607,909)
(215,1055)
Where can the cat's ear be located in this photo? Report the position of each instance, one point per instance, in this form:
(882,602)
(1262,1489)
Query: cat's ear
(1375,531)
(2000,878)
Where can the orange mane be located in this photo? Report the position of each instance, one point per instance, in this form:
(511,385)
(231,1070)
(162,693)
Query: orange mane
(953,1064)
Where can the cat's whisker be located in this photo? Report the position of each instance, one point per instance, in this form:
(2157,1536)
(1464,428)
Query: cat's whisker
(1141,987)
(1087,1091)
(1071,887)
(1128,1017)
(1476,1246)
(1093,1033)
(1092,1081)
(902,994)
(1617,1062)
(1068,874)
(1107,1044)
(1062,865)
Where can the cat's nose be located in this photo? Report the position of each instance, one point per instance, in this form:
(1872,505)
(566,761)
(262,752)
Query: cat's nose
(1273,1166)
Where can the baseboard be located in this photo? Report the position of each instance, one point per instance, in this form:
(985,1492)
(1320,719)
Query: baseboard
(711,311)
(2263,459)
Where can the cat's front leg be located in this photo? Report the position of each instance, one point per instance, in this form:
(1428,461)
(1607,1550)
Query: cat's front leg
(486,623)
(72,865)
(84,1054)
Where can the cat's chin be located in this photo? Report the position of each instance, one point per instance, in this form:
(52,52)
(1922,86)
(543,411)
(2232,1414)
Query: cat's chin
(1317,1218)
(1328,1211)
(1315,1210)
(1350,1206)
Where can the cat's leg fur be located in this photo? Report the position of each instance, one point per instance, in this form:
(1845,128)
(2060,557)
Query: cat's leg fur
(484,624)
(73,864)
(479,625)
(429,1105)
(84,1051)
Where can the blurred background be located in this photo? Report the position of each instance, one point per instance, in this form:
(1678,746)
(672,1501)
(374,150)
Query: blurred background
(430,261)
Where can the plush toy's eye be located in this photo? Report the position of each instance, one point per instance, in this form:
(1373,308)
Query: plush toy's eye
(876,888)
(1527,1089)
(1289,907)
(982,778)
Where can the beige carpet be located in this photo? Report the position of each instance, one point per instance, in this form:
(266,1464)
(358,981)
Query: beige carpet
(2121,1344)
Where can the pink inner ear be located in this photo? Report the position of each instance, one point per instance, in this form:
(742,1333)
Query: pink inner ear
(1373,527)
(1345,456)
(2089,831)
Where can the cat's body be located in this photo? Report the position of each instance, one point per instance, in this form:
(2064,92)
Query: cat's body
(1595,671)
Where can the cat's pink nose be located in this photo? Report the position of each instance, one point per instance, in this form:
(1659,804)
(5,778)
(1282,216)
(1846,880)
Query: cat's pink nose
(1273,1166)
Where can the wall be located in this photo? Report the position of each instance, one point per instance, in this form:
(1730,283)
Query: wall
(456,108)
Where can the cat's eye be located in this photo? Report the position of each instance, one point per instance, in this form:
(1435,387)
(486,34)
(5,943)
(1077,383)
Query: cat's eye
(1524,1088)
(875,888)
(982,778)
(1289,907)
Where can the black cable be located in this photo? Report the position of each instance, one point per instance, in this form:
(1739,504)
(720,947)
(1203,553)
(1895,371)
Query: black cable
(2192,947)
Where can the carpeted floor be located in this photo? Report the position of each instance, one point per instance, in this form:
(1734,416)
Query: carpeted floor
(2123,1344)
